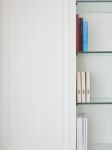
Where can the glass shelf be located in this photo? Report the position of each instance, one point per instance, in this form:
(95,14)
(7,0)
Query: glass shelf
(100,146)
(79,1)
(98,101)
(96,52)
(94,103)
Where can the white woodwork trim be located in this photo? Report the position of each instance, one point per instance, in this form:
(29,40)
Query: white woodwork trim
(5,74)
(68,29)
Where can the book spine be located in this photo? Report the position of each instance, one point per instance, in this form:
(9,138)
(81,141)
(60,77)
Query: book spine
(83,77)
(85,36)
(87,87)
(82,132)
(77,33)
(78,87)
(85,133)
(81,34)
(79,134)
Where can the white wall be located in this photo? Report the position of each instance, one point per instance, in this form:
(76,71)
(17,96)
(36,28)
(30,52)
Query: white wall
(36,114)
(0,73)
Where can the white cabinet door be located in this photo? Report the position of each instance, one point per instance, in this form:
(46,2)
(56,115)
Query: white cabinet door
(36,99)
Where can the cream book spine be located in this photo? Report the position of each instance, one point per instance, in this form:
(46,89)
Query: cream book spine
(87,87)
(83,94)
(78,87)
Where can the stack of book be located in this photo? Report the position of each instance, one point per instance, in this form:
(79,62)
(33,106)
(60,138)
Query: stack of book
(82,127)
(81,34)
(83,87)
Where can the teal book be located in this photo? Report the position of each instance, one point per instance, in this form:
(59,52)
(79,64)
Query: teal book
(85,36)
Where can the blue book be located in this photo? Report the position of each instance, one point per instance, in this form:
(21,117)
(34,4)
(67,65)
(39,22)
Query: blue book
(85,36)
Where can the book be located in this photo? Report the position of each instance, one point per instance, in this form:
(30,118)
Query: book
(83,89)
(78,87)
(82,131)
(99,31)
(79,133)
(87,87)
(85,36)
(81,34)
(86,133)
(85,126)
(77,33)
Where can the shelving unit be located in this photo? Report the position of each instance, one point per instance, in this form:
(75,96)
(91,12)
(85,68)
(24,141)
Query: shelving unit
(92,52)
(99,63)
(93,103)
